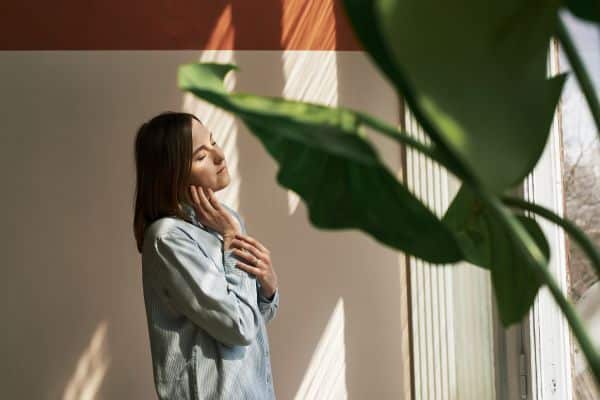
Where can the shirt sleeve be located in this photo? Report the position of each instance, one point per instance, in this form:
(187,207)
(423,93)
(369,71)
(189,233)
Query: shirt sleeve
(220,303)
(267,307)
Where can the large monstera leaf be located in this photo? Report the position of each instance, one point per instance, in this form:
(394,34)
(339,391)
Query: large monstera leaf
(491,103)
(324,157)
(487,242)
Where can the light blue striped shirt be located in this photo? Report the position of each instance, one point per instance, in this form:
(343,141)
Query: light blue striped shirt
(206,316)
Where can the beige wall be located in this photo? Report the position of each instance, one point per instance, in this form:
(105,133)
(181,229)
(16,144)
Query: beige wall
(73,309)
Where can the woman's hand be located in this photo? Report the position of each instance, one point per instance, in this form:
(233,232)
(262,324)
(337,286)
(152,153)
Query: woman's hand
(258,262)
(212,214)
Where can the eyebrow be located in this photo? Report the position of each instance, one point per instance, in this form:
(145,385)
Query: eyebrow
(201,146)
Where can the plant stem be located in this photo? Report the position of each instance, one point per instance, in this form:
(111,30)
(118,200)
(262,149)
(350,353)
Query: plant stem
(586,244)
(403,137)
(395,134)
(585,82)
(536,259)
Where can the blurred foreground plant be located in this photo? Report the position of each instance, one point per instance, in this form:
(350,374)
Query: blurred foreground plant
(474,76)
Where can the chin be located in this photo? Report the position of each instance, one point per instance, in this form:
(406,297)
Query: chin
(222,185)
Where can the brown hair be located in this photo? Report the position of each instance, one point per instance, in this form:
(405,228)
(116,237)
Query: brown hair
(163,159)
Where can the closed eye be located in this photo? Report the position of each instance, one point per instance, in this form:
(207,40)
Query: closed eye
(201,158)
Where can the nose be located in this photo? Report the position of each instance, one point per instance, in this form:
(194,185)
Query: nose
(219,156)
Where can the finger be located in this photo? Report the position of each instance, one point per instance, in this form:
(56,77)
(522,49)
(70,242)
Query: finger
(248,268)
(252,241)
(247,256)
(250,257)
(194,193)
(251,248)
(204,201)
(212,199)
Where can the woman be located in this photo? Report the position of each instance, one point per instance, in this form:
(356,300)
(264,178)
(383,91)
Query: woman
(209,288)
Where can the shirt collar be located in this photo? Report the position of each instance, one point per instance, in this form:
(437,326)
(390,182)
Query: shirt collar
(189,210)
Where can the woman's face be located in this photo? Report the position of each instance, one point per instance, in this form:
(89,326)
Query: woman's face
(207,160)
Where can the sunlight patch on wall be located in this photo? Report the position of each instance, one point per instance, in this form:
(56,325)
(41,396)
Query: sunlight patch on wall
(325,377)
(91,368)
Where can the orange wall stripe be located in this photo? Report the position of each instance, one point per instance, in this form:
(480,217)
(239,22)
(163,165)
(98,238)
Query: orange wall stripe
(176,25)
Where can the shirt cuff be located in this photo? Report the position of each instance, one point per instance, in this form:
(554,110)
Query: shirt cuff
(269,300)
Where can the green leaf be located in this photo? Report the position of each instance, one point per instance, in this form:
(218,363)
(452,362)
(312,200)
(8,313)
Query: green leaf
(361,14)
(585,9)
(478,74)
(323,157)
(464,218)
(487,243)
